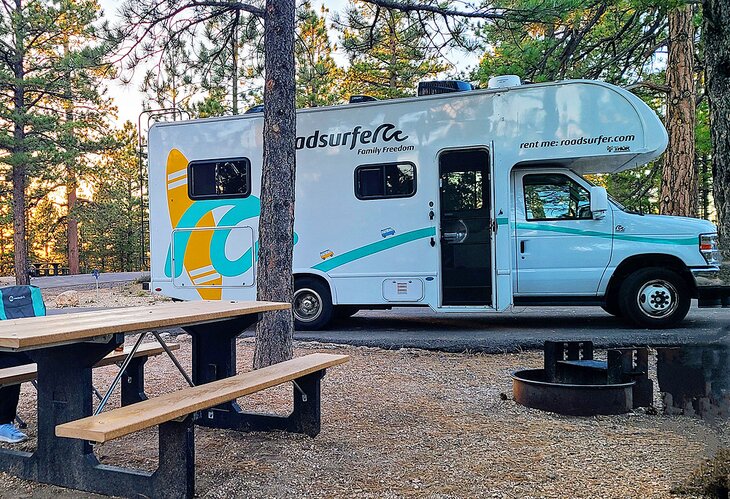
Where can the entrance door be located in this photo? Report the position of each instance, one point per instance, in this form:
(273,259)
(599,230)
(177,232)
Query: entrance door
(466,274)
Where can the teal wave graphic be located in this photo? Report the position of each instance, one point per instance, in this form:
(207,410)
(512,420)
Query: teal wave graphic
(684,241)
(376,247)
(240,210)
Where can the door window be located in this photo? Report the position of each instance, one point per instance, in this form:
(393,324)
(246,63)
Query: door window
(552,196)
(462,191)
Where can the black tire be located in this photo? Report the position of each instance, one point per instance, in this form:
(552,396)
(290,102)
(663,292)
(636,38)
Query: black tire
(345,311)
(654,298)
(312,304)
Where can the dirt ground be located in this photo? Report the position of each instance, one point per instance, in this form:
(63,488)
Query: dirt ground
(412,423)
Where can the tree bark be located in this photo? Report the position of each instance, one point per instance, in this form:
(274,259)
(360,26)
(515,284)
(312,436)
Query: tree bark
(19,173)
(234,57)
(276,223)
(72,226)
(679,175)
(716,30)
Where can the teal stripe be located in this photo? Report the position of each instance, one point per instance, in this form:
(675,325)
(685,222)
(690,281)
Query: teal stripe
(686,241)
(39,308)
(502,221)
(3,315)
(377,247)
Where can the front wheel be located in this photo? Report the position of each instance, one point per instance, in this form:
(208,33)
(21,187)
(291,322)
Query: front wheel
(654,298)
(312,304)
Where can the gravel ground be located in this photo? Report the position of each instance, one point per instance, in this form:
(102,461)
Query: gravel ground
(413,423)
(108,295)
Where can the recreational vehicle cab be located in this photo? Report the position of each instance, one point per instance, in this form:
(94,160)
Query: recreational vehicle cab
(469,201)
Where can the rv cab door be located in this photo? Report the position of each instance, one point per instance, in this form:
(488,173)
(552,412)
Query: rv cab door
(563,248)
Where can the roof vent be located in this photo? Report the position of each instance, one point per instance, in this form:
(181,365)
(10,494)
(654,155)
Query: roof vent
(357,99)
(443,87)
(504,81)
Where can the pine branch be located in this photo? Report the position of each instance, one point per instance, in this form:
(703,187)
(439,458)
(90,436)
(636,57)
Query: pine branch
(657,87)
(484,13)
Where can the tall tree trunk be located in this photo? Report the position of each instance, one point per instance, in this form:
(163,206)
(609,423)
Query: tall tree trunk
(276,223)
(234,42)
(19,157)
(19,177)
(679,175)
(716,31)
(72,226)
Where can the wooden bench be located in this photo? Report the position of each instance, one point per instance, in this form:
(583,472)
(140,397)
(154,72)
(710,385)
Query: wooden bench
(133,386)
(172,413)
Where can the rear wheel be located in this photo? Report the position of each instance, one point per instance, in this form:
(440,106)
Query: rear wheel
(654,298)
(312,304)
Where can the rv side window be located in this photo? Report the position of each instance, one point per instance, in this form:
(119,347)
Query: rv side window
(224,178)
(390,180)
(553,196)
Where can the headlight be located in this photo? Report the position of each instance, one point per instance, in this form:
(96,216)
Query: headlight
(710,249)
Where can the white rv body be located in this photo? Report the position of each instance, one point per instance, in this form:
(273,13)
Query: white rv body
(383,251)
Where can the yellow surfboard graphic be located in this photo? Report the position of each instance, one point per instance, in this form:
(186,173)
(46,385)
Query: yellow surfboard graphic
(197,261)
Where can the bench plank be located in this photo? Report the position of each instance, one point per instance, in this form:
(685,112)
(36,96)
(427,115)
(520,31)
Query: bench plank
(28,372)
(129,419)
(17,374)
(145,350)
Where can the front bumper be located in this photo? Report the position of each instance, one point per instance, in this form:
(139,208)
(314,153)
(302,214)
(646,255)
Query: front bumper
(713,287)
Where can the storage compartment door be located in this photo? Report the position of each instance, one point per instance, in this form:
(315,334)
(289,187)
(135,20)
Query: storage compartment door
(213,257)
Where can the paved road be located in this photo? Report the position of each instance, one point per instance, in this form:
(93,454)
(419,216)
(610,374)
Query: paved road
(523,328)
(64,281)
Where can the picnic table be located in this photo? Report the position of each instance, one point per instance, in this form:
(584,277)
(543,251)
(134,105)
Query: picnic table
(66,347)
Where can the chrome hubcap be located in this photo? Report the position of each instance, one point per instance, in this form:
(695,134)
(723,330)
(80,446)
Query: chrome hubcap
(307,305)
(658,298)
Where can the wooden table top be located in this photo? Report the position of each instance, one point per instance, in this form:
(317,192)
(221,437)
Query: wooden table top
(33,332)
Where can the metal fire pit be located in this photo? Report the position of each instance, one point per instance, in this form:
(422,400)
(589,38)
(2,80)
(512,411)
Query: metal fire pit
(531,389)
(572,383)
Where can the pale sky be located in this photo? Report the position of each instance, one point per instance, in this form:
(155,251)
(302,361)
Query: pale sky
(129,99)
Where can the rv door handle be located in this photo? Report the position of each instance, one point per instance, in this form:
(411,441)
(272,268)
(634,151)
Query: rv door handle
(522,246)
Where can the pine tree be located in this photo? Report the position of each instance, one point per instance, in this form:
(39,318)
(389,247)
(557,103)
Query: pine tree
(110,220)
(318,76)
(171,83)
(47,59)
(611,40)
(229,60)
(389,52)
(716,35)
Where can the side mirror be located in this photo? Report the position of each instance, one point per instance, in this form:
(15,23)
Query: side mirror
(599,202)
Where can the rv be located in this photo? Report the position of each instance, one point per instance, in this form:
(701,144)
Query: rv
(471,201)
